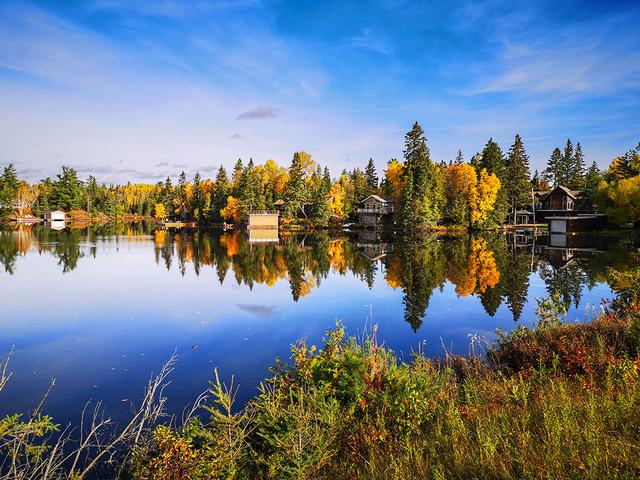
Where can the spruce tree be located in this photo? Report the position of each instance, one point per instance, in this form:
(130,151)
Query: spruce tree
(493,161)
(197,203)
(295,193)
(459,160)
(67,190)
(372,177)
(235,178)
(555,167)
(517,174)
(221,192)
(418,205)
(8,188)
(577,171)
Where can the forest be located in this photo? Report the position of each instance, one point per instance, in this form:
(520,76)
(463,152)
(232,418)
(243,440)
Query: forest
(478,193)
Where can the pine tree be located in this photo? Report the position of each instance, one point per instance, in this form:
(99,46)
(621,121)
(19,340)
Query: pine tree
(493,161)
(8,188)
(517,173)
(459,160)
(181,200)
(555,168)
(577,171)
(235,177)
(418,205)
(372,177)
(222,190)
(197,202)
(295,193)
(166,197)
(67,190)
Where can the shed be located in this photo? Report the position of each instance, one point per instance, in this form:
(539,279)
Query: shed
(55,216)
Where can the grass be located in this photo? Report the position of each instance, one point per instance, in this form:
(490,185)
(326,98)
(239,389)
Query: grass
(559,401)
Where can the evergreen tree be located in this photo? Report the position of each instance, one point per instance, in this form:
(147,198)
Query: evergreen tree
(418,205)
(577,171)
(372,177)
(295,192)
(221,192)
(555,167)
(181,200)
(66,192)
(92,193)
(517,185)
(166,197)
(235,177)
(197,202)
(8,189)
(459,160)
(493,161)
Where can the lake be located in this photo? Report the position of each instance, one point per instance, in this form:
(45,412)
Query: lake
(100,308)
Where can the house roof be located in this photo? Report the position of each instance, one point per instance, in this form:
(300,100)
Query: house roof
(377,198)
(279,202)
(572,193)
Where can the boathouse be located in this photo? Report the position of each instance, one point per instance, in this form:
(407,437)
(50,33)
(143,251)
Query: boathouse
(55,216)
(576,223)
(263,225)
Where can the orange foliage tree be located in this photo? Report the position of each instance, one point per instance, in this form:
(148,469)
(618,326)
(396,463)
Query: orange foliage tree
(232,210)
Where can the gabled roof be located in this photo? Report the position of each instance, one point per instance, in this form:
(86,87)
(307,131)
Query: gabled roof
(572,193)
(377,198)
(279,202)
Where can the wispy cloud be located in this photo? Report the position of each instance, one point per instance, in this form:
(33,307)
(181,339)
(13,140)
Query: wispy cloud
(587,58)
(259,113)
(369,41)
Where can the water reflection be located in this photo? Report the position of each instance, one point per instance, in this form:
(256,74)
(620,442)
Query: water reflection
(496,268)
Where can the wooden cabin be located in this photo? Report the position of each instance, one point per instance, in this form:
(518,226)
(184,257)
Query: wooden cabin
(559,201)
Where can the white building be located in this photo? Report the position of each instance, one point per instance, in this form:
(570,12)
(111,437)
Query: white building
(55,216)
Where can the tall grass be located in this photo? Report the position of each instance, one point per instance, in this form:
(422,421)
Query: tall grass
(560,401)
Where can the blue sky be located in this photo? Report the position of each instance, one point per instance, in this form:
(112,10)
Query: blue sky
(136,90)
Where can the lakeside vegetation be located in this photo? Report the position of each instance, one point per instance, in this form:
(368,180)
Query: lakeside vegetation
(557,401)
(478,193)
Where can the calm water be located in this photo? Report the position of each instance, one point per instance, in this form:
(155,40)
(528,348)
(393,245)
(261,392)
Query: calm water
(100,309)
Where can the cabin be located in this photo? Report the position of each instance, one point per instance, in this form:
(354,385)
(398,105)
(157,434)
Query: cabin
(54,216)
(559,201)
(375,210)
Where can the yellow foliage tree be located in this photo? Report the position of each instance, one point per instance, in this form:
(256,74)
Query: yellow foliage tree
(470,198)
(393,177)
(232,210)
(487,193)
(337,197)
(159,211)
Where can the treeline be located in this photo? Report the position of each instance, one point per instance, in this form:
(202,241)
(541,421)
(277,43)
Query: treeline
(475,194)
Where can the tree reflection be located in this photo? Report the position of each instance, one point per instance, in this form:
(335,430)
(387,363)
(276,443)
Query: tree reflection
(494,268)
